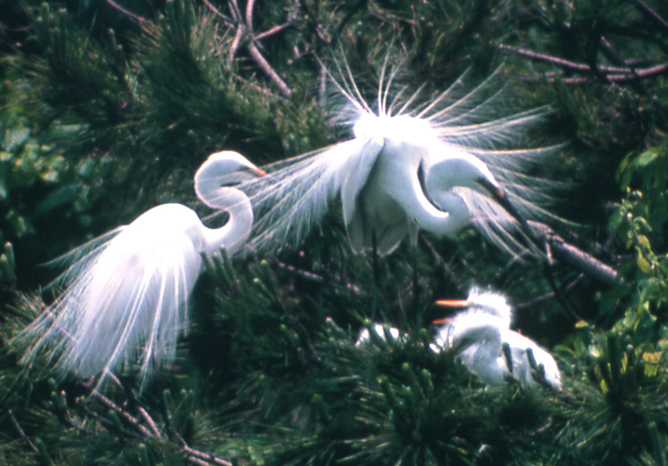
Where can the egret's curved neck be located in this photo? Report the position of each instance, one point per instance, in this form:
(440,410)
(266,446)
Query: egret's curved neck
(446,213)
(235,232)
(451,169)
(238,227)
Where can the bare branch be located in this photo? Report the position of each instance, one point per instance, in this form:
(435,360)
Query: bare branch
(269,71)
(249,14)
(274,30)
(149,420)
(244,35)
(610,73)
(124,414)
(561,62)
(651,13)
(203,457)
(575,257)
(127,13)
(227,20)
(21,432)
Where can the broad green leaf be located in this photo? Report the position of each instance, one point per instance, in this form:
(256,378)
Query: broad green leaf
(647,157)
(643,264)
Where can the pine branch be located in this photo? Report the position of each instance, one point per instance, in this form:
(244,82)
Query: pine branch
(192,454)
(567,64)
(614,74)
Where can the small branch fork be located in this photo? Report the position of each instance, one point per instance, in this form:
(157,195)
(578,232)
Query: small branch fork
(135,423)
(142,425)
(245,36)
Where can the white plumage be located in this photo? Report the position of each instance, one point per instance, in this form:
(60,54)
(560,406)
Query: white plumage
(364,338)
(437,166)
(478,334)
(126,293)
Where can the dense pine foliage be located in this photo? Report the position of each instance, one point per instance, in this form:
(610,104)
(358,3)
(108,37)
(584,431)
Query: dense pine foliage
(107,108)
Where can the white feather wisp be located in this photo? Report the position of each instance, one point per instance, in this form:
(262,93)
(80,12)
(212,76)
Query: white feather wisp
(297,192)
(124,301)
(125,294)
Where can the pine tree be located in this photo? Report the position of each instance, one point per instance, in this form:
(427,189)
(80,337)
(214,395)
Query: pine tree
(108,108)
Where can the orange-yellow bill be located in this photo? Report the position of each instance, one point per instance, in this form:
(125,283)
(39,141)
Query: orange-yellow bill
(452,303)
(444,320)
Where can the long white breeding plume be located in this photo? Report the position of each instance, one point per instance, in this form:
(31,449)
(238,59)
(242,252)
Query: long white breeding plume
(126,292)
(438,164)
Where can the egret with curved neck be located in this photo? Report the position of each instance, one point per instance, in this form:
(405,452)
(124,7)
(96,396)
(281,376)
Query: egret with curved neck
(126,294)
(439,166)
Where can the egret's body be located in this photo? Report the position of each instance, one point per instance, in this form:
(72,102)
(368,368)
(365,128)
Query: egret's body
(125,300)
(478,335)
(439,167)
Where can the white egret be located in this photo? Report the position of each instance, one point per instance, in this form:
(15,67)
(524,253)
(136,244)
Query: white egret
(125,300)
(438,166)
(478,335)
(381,330)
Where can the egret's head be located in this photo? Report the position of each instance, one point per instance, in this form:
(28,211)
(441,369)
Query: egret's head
(482,308)
(225,168)
(491,302)
(451,168)
(229,161)
(471,328)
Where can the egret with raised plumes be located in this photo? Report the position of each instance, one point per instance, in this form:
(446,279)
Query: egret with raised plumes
(126,293)
(440,166)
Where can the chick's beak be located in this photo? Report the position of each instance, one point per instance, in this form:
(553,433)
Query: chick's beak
(451,303)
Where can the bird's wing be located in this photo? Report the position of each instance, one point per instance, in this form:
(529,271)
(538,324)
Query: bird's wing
(355,172)
(295,193)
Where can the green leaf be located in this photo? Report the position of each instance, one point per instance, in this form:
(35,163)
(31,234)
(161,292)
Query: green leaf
(643,241)
(643,265)
(615,220)
(647,157)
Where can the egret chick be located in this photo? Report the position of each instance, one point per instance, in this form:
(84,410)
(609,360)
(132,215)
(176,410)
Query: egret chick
(478,335)
(126,293)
